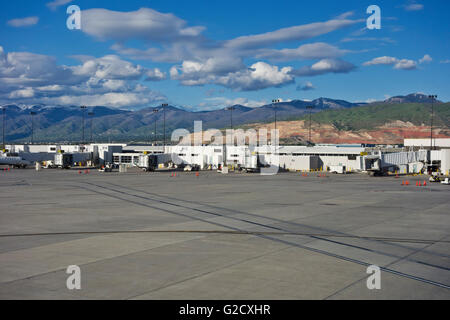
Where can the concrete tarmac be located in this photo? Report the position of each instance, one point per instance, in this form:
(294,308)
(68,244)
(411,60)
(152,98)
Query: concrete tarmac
(142,235)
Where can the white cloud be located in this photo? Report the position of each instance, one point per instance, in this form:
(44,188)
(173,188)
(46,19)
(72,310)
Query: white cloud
(210,67)
(109,67)
(317,50)
(402,64)
(25,69)
(445,61)
(325,66)
(145,24)
(111,99)
(306,86)
(22,93)
(114,84)
(50,88)
(381,60)
(152,25)
(109,80)
(168,38)
(426,58)
(23,22)
(155,75)
(53,5)
(381,40)
(295,33)
(405,64)
(413,7)
(345,15)
(173,72)
(202,60)
(259,75)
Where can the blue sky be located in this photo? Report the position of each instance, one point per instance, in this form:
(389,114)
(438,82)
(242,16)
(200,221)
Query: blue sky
(208,54)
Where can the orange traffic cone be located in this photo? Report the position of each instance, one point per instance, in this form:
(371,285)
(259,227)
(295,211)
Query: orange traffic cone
(420,184)
(424,183)
(403,183)
(417,183)
(407,183)
(172,174)
(175,175)
(197,174)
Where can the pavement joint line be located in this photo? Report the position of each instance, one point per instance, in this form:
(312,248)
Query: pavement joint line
(291,243)
(249,232)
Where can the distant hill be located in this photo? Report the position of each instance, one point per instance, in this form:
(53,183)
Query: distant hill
(374,123)
(63,124)
(57,123)
(375,115)
(411,98)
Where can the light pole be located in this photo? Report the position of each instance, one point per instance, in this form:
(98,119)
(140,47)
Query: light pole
(91,114)
(83,109)
(3,126)
(32,113)
(231,108)
(155,111)
(231,116)
(275,109)
(164,105)
(310,111)
(432,97)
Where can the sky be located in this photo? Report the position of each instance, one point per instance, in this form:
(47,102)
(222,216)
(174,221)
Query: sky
(208,54)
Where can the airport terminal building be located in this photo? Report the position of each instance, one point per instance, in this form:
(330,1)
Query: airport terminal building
(413,157)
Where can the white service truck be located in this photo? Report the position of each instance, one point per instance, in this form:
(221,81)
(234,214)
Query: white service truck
(338,169)
(147,162)
(63,160)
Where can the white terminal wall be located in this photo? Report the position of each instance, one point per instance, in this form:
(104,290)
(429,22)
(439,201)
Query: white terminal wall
(197,155)
(445,161)
(300,162)
(328,155)
(425,143)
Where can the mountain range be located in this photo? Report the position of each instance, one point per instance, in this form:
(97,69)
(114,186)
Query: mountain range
(64,123)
